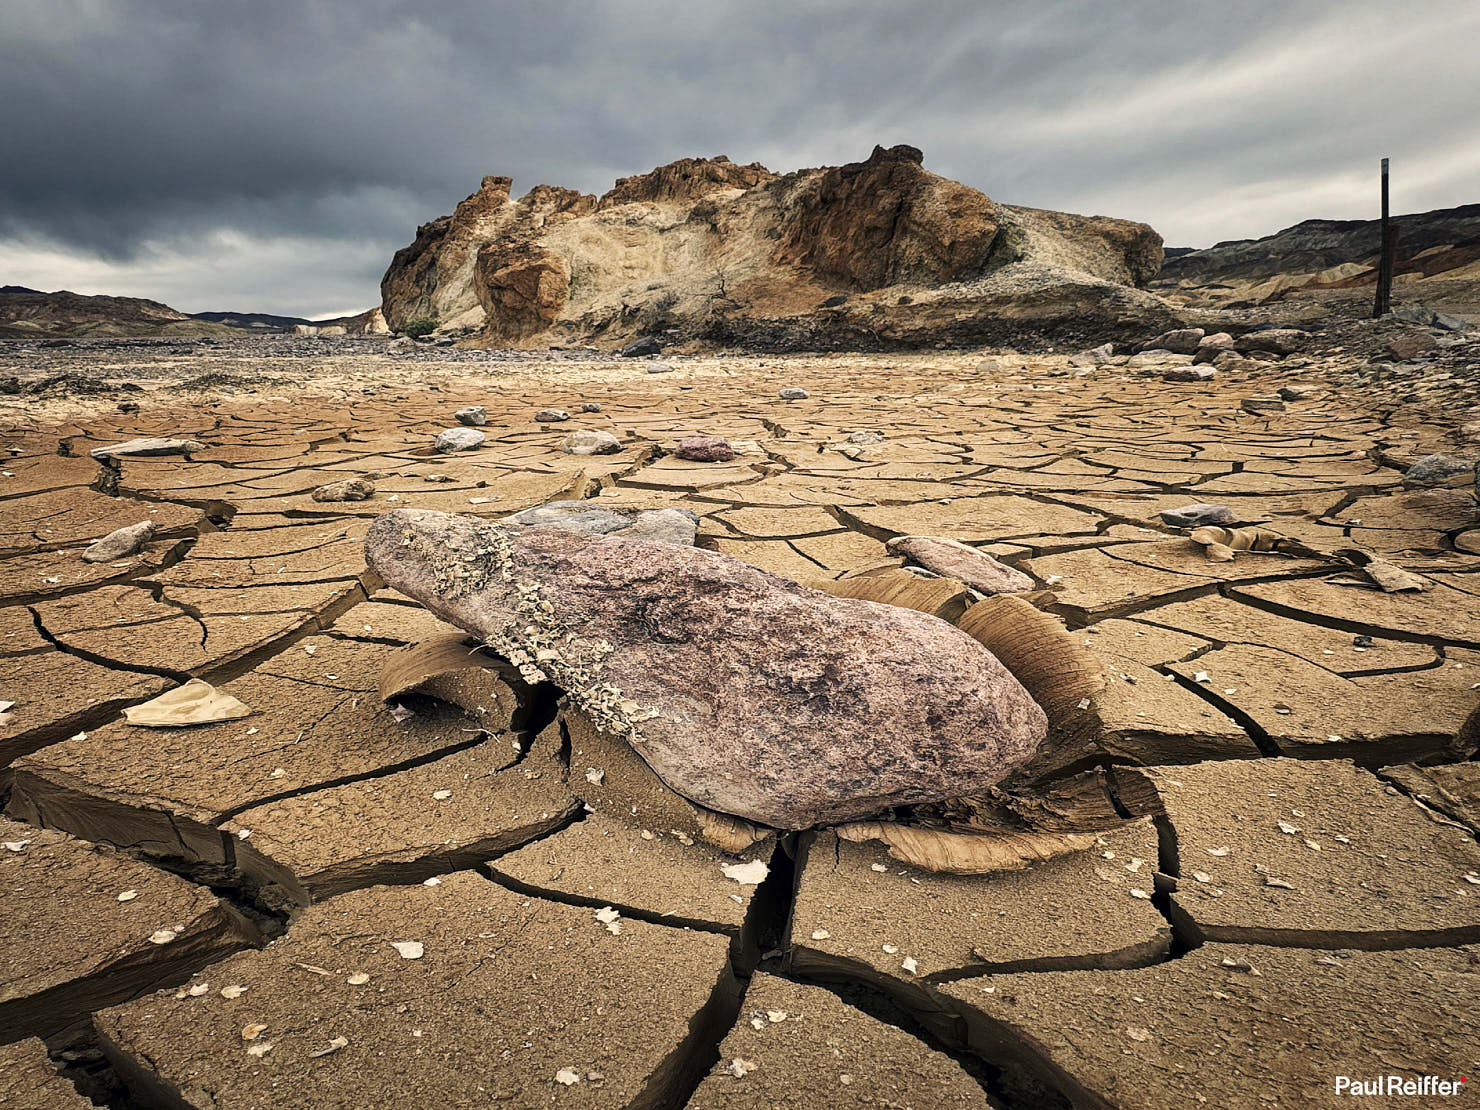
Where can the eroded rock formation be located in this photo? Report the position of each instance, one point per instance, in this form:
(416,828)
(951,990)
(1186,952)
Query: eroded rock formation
(870,254)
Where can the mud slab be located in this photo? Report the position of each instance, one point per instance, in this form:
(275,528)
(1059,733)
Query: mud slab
(1231,1025)
(1278,851)
(858,911)
(491,997)
(28,1081)
(802,1048)
(86,927)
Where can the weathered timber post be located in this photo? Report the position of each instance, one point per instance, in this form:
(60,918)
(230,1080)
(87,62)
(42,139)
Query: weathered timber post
(1383,302)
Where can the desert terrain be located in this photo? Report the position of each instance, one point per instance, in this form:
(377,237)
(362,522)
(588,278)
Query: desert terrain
(1252,867)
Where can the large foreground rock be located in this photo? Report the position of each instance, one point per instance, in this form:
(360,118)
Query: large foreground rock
(743,691)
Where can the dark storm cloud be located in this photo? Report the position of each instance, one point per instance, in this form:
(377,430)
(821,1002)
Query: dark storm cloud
(271,155)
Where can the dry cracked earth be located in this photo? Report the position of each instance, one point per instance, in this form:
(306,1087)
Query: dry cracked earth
(330,904)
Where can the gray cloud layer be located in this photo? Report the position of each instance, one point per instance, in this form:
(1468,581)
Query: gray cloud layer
(272,155)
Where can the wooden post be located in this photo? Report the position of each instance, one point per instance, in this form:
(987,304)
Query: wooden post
(1383,303)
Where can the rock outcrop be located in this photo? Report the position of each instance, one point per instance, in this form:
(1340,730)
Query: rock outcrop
(743,691)
(874,254)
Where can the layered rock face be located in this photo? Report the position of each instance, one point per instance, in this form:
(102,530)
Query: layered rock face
(745,692)
(872,254)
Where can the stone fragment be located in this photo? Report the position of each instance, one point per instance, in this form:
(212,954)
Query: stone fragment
(1276,341)
(677,526)
(1410,345)
(474,416)
(458,439)
(1189,374)
(906,707)
(1298,392)
(590,406)
(551,416)
(464,1025)
(193,703)
(645,347)
(351,489)
(119,543)
(1179,341)
(865,437)
(797,1044)
(147,447)
(966,564)
(1432,469)
(589,441)
(704,449)
(659,368)
(792,393)
(1198,514)
(69,942)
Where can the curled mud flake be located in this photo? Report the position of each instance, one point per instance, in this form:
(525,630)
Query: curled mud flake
(747,874)
(253,1031)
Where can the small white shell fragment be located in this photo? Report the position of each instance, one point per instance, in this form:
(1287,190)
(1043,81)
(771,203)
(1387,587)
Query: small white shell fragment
(358,979)
(259,1048)
(233,991)
(567,1078)
(198,989)
(776,1016)
(890,949)
(908,965)
(1137,892)
(128,895)
(1136,1033)
(594,775)
(1202,876)
(747,874)
(16,845)
(739,1067)
(606,915)
(1218,851)
(162,936)
(433,881)
(877,867)
(1288,829)
(820,934)
(441,795)
(409,949)
(253,1031)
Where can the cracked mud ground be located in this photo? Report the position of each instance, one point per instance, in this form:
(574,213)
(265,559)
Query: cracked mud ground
(320,905)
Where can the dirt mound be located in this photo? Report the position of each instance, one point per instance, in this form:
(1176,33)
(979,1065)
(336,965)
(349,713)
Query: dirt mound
(869,255)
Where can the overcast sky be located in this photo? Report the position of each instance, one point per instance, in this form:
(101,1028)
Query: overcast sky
(271,155)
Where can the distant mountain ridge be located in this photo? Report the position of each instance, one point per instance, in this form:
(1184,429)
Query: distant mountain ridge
(1329,254)
(32,314)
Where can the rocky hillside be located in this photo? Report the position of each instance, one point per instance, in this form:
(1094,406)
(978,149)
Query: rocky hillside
(29,314)
(1438,257)
(874,254)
